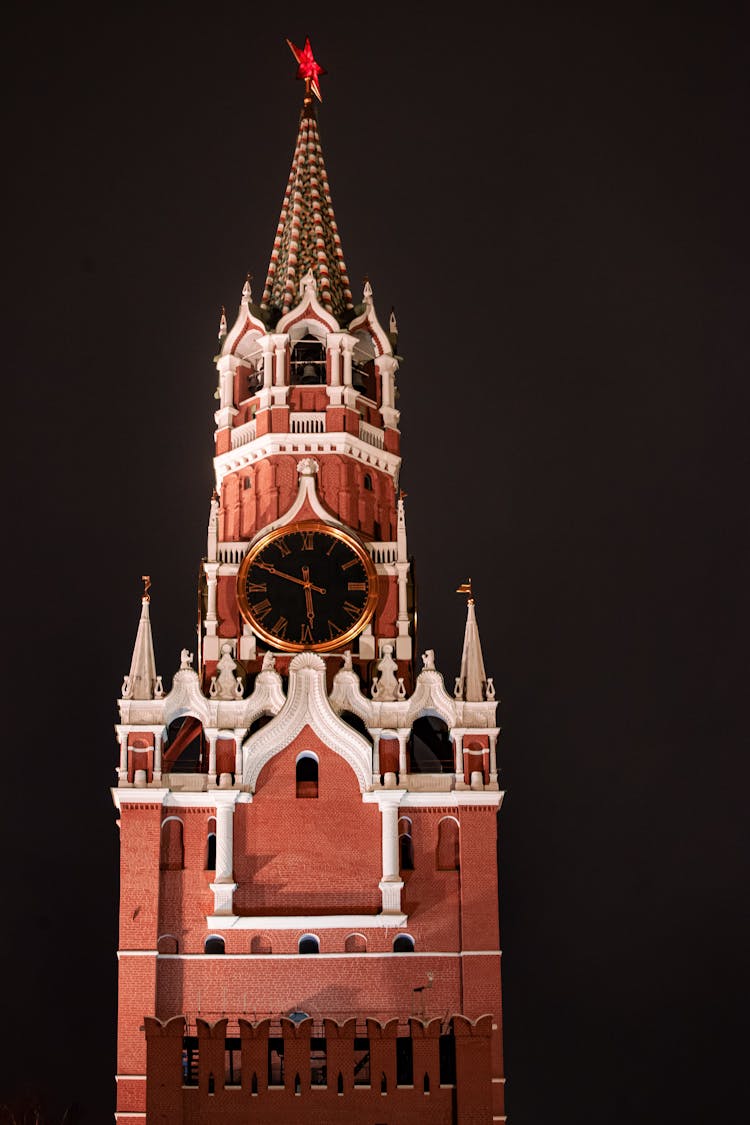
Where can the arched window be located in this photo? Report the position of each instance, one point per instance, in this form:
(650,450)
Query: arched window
(167,943)
(213,944)
(211,844)
(355,943)
(308,361)
(183,752)
(403,944)
(171,856)
(367,483)
(431,746)
(405,844)
(307,774)
(308,943)
(447,849)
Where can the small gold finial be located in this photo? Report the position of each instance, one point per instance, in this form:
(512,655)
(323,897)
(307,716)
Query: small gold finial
(146,580)
(465,588)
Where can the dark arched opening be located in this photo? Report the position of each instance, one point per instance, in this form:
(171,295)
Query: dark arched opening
(183,752)
(431,746)
(308,361)
(306,774)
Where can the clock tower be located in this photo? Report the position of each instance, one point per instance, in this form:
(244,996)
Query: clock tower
(308,818)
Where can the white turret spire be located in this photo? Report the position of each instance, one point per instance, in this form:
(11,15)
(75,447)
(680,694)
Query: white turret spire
(140,682)
(472,681)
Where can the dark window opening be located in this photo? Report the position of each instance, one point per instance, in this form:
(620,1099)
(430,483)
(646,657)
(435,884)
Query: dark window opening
(406,852)
(383,1083)
(307,776)
(247,482)
(404,1061)
(275,1062)
(308,362)
(318,1069)
(213,945)
(368,482)
(309,944)
(403,944)
(184,750)
(254,1083)
(448,1060)
(426,1083)
(340,1083)
(211,852)
(361,1062)
(431,746)
(232,1062)
(363,378)
(189,1061)
(211,1084)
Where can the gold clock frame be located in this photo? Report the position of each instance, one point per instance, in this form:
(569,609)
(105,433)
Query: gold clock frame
(353,544)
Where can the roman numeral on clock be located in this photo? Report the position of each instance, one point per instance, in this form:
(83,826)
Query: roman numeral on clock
(307,540)
(262,609)
(352,562)
(257,588)
(305,635)
(353,610)
(280,628)
(356,586)
(333,630)
(285,550)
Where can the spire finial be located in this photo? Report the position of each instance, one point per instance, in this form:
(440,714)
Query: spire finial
(307,68)
(247,292)
(465,588)
(223,323)
(146,580)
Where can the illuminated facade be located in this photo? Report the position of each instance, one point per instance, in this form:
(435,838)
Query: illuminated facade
(308,819)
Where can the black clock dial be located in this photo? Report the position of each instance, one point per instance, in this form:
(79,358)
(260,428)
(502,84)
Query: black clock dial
(307,586)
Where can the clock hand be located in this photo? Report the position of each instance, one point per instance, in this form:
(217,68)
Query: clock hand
(308,594)
(289,577)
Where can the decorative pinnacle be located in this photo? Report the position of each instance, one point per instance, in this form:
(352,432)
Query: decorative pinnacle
(465,588)
(307,68)
(223,323)
(247,293)
(146,580)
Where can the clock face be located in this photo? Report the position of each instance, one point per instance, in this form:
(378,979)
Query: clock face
(307,586)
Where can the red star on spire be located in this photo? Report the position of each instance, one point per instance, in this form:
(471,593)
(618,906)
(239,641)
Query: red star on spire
(308,68)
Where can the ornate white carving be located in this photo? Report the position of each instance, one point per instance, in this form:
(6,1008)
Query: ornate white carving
(385,686)
(307,705)
(186,659)
(186,697)
(227,682)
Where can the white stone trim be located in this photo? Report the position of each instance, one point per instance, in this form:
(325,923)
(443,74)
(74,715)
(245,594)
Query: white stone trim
(137,953)
(308,445)
(307,705)
(329,956)
(452,799)
(133,796)
(305,923)
(130,1078)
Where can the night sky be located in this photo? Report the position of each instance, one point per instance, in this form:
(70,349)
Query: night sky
(554,197)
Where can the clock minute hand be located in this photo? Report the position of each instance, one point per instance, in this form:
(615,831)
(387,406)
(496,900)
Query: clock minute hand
(289,577)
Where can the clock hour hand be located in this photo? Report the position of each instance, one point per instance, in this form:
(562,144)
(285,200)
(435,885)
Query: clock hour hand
(289,577)
(308,594)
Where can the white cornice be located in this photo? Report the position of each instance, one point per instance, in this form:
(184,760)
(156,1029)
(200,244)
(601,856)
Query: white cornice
(309,445)
(306,922)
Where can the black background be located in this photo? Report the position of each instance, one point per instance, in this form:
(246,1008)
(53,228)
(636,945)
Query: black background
(554,197)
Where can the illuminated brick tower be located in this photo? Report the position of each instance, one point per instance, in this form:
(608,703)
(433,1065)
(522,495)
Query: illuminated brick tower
(308,822)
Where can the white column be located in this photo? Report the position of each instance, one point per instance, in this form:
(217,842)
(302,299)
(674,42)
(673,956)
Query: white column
(458,750)
(212,570)
(122,738)
(375,755)
(280,364)
(391,883)
(493,755)
(239,736)
(266,343)
(348,343)
(224,885)
(224,842)
(403,738)
(158,740)
(211,735)
(334,349)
